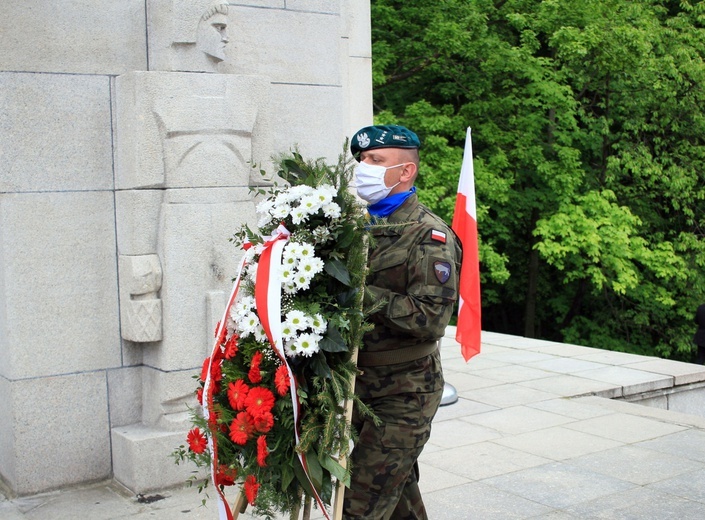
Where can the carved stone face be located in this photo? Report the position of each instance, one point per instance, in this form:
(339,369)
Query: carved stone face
(213,37)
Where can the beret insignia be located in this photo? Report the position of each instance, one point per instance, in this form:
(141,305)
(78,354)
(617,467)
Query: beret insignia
(383,136)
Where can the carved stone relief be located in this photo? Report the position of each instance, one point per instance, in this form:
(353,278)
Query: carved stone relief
(188,36)
(140,306)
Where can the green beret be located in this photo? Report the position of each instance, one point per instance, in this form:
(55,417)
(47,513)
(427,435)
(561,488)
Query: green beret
(383,136)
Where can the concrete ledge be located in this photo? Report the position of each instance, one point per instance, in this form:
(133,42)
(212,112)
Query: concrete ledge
(142,461)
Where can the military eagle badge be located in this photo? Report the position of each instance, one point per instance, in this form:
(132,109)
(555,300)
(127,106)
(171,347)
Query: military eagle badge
(363,140)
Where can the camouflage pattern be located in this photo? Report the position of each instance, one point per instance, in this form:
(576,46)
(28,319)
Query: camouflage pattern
(417,275)
(405,397)
(404,269)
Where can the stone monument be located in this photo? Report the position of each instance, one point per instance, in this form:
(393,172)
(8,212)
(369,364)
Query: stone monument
(128,149)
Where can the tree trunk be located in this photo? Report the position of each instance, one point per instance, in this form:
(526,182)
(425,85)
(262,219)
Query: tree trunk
(532,282)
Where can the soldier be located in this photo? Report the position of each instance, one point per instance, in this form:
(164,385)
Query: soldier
(414,272)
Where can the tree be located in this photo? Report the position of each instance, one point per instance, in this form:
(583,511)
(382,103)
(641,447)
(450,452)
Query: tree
(588,130)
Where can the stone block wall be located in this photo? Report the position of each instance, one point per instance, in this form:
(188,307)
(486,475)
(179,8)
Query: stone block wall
(128,131)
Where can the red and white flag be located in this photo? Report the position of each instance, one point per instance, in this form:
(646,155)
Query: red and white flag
(465,226)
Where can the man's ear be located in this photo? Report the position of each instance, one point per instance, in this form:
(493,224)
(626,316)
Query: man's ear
(408,173)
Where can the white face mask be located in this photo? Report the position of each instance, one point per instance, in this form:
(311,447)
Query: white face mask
(369,181)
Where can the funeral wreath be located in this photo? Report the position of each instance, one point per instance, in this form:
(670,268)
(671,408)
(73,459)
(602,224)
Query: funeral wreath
(273,390)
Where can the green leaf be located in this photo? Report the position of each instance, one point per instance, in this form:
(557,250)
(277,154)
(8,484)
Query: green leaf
(301,477)
(319,365)
(287,475)
(346,236)
(315,470)
(336,469)
(333,341)
(337,270)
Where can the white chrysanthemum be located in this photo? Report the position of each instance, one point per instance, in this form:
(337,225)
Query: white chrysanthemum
(310,266)
(307,344)
(280,212)
(287,275)
(297,319)
(302,281)
(292,249)
(265,206)
(282,199)
(290,262)
(259,249)
(306,250)
(298,215)
(300,191)
(290,256)
(324,195)
(311,204)
(264,220)
(290,348)
(290,288)
(261,335)
(329,189)
(318,324)
(249,322)
(331,210)
(288,332)
(242,307)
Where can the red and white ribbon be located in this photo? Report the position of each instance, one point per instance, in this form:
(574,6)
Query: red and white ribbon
(268,302)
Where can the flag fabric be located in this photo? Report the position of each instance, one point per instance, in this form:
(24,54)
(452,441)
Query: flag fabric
(469,328)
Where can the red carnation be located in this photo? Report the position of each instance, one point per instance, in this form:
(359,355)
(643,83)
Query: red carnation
(197,442)
(264,423)
(255,375)
(199,396)
(237,392)
(281,380)
(204,368)
(231,347)
(251,489)
(225,476)
(262,451)
(241,428)
(217,371)
(259,401)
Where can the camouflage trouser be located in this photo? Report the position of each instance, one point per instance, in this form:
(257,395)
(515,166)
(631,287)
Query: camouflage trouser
(405,398)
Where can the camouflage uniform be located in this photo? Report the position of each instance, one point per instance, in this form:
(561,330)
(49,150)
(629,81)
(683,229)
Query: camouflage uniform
(414,267)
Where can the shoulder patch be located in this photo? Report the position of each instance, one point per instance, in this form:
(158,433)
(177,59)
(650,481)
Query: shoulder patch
(438,236)
(442,271)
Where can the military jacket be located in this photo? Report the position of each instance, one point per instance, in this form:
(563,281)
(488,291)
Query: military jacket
(414,268)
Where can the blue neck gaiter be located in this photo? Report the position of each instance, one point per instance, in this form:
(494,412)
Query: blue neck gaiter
(389,205)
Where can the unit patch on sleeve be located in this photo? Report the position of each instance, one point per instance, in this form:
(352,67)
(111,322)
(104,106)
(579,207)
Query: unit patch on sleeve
(439,236)
(442,270)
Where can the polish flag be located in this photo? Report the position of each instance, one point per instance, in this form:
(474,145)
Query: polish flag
(465,226)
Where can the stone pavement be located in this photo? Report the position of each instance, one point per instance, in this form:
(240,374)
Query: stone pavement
(541,430)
